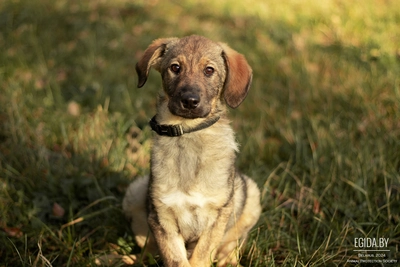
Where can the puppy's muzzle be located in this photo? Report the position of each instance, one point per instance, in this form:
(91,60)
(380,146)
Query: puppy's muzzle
(188,102)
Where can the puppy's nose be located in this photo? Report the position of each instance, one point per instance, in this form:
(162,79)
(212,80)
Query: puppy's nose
(190,100)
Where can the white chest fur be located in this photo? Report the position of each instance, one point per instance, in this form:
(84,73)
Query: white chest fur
(179,198)
(193,212)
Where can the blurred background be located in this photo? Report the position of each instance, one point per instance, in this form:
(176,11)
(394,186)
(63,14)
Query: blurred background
(319,130)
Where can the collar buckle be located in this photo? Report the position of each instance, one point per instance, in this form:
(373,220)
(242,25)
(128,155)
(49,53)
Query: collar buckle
(166,130)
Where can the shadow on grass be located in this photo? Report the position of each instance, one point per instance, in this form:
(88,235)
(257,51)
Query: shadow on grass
(60,205)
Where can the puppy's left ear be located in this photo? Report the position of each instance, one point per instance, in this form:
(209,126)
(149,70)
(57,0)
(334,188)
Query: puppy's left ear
(238,77)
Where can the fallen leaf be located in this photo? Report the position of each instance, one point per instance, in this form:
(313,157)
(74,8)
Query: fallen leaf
(58,211)
(13,231)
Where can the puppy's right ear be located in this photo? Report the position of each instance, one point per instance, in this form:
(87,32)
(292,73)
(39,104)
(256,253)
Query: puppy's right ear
(151,57)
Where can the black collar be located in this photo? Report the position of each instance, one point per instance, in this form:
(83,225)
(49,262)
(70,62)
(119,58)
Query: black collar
(178,130)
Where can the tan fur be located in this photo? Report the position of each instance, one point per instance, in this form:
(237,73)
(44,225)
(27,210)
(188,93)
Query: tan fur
(194,207)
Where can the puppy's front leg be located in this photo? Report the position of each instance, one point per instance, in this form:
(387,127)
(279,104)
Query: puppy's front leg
(207,246)
(170,243)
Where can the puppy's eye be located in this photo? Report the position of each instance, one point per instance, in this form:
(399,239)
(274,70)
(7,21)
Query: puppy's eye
(175,68)
(208,71)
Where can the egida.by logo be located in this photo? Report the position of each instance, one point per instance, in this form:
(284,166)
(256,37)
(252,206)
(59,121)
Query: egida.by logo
(369,243)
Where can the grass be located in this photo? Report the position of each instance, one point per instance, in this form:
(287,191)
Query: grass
(319,131)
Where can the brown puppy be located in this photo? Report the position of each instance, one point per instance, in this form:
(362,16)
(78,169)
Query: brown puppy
(197,206)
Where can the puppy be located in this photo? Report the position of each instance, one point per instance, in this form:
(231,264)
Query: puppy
(194,207)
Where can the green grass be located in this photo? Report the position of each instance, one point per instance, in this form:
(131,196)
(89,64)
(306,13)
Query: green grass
(319,131)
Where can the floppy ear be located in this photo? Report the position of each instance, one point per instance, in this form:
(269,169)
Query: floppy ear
(151,57)
(238,77)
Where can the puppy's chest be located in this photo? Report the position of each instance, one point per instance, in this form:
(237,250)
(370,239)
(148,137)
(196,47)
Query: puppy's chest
(181,200)
(192,211)
(191,160)
(190,182)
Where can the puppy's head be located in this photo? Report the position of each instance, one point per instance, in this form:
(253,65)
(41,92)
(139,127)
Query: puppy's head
(196,74)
